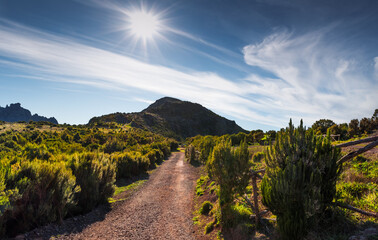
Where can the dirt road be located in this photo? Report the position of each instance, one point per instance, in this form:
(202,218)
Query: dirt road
(159,210)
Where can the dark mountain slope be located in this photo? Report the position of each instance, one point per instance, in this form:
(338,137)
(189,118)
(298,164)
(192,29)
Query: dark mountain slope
(15,113)
(175,118)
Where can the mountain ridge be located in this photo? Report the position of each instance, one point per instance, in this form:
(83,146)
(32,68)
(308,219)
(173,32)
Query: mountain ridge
(15,113)
(175,118)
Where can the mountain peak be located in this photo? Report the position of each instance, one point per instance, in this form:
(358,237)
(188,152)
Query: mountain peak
(175,118)
(168,99)
(15,113)
(162,102)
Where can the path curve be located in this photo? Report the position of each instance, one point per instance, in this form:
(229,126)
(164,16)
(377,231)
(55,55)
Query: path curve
(162,209)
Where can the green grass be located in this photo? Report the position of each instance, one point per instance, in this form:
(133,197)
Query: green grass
(121,189)
(181,150)
(350,140)
(358,186)
(195,220)
(200,183)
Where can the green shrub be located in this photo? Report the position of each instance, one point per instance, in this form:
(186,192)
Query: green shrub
(258,157)
(33,151)
(173,145)
(162,146)
(191,154)
(230,169)
(43,193)
(355,190)
(206,145)
(95,174)
(368,168)
(209,227)
(300,179)
(4,200)
(155,156)
(151,155)
(159,156)
(114,145)
(241,212)
(206,208)
(130,164)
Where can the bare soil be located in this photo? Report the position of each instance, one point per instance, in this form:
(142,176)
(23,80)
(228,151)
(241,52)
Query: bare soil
(161,209)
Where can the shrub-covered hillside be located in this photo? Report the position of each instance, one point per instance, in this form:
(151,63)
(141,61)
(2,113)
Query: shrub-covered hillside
(48,171)
(174,118)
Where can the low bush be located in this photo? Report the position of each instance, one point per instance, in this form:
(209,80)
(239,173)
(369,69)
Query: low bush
(33,151)
(173,145)
(206,208)
(209,227)
(200,183)
(230,169)
(191,154)
(151,156)
(95,174)
(162,146)
(42,193)
(114,145)
(354,190)
(155,156)
(258,157)
(4,200)
(130,164)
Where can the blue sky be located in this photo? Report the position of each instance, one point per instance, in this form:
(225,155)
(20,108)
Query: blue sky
(258,62)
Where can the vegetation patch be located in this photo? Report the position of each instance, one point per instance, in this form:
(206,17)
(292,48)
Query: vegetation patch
(49,172)
(302,185)
(206,208)
(121,188)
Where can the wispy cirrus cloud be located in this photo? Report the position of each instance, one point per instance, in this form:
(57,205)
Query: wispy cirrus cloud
(40,55)
(315,77)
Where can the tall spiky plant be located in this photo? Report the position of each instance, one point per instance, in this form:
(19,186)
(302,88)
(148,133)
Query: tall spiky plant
(300,179)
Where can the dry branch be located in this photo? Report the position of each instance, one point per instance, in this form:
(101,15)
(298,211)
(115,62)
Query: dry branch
(347,206)
(258,171)
(358,152)
(370,139)
(262,213)
(245,197)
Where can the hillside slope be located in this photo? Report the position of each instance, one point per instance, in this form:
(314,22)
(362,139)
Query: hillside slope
(174,118)
(15,113)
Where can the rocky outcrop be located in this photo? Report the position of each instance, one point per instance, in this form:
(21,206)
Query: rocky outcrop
(15,113)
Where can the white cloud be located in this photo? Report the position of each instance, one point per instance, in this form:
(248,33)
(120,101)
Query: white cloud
(39,55)
(312,79)
(315,79)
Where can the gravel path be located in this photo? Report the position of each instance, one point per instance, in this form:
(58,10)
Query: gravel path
(161,209)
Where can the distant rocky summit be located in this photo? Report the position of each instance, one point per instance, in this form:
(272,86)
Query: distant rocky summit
(174,118)
(15,113)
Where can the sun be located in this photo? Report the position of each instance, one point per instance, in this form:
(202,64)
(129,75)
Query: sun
(145,28)
(144,25)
